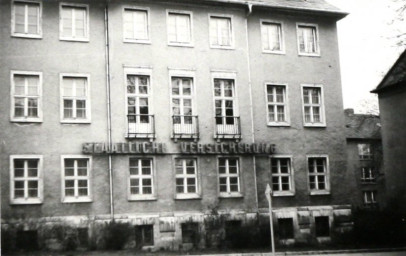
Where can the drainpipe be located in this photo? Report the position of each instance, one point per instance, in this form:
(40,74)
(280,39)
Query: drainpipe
(249,5)
(107,54)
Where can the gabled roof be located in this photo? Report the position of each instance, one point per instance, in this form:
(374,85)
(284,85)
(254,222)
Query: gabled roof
(396,76)
(362,126)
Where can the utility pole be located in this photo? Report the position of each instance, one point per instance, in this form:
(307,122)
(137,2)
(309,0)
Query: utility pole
(268,194)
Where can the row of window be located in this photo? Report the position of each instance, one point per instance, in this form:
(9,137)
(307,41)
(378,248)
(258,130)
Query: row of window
(26,102)
(74,25)
(26,174)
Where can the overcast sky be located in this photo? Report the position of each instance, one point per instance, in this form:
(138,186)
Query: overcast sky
(367,46)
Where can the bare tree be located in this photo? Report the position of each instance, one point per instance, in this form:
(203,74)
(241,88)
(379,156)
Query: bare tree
(399,22)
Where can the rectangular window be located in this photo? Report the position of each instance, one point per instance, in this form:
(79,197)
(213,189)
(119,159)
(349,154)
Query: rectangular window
(285,226)
(74,22)
(277,105)
(26,19)
(369,198)
(141,179)
(282,176)
(313,109)
(26,179)
(364,151)
(186,178)
(190,232)
(221,32)
(144,236)
(76,179)
(272,40)
(75,99)
(26,96)
(229,177)
(179,28)
(318,174)
(322,226)
(308,40)
(367,175)
(136,25)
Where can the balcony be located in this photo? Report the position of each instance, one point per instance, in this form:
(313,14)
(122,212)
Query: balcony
(141,126)
(228,127)
(185,127)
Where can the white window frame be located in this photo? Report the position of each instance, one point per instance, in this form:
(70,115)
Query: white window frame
(72,37)
(142,197)
(321,105)
(263,23)
(369,155)
(291,191)
(26,35)
(231,32)
(184,44)
(195,195)
(230,194)
(317,191)
(88,101)
(76,199)
(27,119)
(285,104)
(135,40)
(368,174)
(26,199)
(369,194)
(316,40)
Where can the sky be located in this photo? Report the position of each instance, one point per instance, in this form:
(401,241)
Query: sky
(368,48)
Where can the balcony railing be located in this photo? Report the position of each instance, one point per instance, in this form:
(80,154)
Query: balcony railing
(141,126)
(185,127)
(228,127)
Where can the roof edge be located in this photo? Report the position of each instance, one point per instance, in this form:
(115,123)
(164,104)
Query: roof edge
(378,89)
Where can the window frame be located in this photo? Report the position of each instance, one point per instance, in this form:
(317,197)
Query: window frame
(77,199)
(231,31)
(148,28)
(197,194)
(40,179)
(88,118)
(369,195)
(239,176)
(282,36)
(368,175)
(316,40)
(180,12)
(327,189)
(86,38)
(26,119)
(291,191)
(13,20)
(365,157)
(285,104)
(142,197)
(321,105)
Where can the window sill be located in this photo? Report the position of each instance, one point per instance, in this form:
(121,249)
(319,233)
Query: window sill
(188,45)
(137,41)
(222,47)
(26,120)
(77,200)
(187,196)
(322,125)
(30,36)
(273,52)
(75,121)
(82,40)
(142,198)
(304,54)
(26,201)
(283,193)
(272,124)
(319,192)
(231,195)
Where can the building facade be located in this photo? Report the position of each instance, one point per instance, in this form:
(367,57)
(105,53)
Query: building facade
(165,113)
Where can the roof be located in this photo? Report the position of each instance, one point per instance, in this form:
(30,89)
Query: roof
(396,76)
(362,126)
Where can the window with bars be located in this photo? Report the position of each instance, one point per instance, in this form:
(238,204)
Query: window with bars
(136,25)
(144,236)
(74,22)
(313,109)
(368,175)
(229,177)
(26,19)
(26,96)
(76,179)
(75,99)
(141,179)
(26,179)
(318,172)
(282,176)
(277,105)
(308,39)
(221,32)
(186,178)
(369,198)
(364,151)
(179,28)
(272,40)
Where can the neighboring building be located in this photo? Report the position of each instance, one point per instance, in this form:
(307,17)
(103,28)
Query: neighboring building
(160,113)
(364,154)
(392,104)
